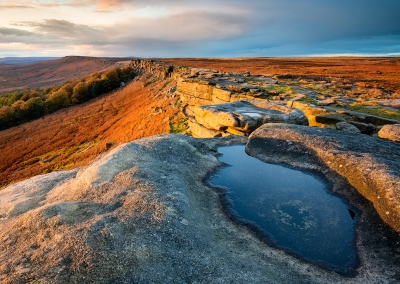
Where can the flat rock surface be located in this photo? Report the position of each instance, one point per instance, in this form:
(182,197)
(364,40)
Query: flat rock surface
(143,214)
(246,115)
(369,164)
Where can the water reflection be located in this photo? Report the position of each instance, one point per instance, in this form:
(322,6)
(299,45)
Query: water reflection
(292,207)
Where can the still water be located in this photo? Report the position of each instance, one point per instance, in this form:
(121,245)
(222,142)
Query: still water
(291,208)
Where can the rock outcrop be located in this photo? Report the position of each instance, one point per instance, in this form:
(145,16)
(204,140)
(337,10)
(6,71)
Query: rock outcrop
(369,164)
(328,117)
(243,117)
(204,88)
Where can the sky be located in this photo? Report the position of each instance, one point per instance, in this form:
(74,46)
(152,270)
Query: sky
(193,28)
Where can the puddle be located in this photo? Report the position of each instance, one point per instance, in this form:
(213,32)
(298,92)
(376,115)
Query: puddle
(288,208)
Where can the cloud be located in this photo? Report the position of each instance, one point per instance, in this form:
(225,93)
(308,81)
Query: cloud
(108,5)
(189,26)
(11,6)
(64,29)
(16,4)
(209,27)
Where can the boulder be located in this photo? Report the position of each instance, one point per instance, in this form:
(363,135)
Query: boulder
(199,131)
(390,103)
(326,102)
(369,164)
(245,115)
(344,126)
(391,132)
(365,128)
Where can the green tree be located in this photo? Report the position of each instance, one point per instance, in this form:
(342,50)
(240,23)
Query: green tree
(58,100)
(34,107)
(6,117)
(80,93)
(113,77)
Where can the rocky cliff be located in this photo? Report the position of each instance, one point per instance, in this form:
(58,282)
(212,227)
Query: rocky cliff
(204,90)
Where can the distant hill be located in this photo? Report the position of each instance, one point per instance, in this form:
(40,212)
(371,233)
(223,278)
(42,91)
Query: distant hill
(24,60)
(50,72)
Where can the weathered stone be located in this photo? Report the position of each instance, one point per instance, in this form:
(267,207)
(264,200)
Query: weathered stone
(297,97)
(326,102)
(363,127)
(245,116)
(199,131)
(213,118)
(153,67)
(328,118)
(344,126)
(369,164)
(310,111)
(235,131)
(391,132)
(367,118)
(390,103)
(223,95)
(194,89)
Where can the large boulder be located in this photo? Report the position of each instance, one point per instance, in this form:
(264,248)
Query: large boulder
(391,132)
(344,126)
(369,164)
(246,115)
(199,131)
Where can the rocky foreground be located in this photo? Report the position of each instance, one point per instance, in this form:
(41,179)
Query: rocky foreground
(143,214)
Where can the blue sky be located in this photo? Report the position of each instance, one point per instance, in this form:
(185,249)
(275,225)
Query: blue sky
(207,28)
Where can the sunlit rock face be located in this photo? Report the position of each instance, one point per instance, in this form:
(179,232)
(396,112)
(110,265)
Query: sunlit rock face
(391,132)
(243,117)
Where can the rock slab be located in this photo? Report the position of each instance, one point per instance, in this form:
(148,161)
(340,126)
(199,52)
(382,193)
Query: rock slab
(369,164)
(244,116)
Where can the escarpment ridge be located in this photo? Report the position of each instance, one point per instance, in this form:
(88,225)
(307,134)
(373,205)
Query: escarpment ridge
(139,210)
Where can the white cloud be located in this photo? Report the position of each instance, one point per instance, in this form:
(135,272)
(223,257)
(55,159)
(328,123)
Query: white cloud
(200,28)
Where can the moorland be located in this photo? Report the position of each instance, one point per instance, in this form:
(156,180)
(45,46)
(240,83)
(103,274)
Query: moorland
(74,136)
(96,188)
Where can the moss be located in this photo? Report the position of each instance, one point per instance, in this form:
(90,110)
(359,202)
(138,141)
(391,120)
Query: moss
(173,89)
(179,127)
(166,84)
(280,89)
(379,111)
(308,100)
(149,82)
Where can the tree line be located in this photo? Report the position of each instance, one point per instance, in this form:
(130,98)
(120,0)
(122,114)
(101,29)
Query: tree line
(22,106)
